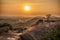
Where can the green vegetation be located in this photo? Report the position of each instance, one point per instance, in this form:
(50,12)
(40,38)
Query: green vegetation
(55,34)
(5,27)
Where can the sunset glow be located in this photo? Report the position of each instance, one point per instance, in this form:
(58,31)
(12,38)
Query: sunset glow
(26,8)
(29,7)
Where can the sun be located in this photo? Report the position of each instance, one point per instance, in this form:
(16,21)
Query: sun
(26,8)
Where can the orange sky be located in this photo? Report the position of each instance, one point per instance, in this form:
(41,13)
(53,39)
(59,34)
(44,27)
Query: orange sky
(38,7)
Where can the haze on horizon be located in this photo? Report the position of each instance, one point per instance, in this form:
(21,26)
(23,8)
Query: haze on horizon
(38,7)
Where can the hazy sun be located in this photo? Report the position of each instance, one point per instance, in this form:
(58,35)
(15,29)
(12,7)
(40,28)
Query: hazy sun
(26,8)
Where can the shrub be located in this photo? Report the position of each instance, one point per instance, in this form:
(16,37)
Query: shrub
(55,34)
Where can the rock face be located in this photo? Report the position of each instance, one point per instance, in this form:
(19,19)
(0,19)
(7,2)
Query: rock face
(9,36)
(38,32)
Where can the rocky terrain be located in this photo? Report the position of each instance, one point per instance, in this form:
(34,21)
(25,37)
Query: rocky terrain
(26,29)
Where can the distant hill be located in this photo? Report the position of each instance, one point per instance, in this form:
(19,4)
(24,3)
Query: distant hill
(24,21)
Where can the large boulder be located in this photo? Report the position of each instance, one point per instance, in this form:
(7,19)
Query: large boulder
(39,32)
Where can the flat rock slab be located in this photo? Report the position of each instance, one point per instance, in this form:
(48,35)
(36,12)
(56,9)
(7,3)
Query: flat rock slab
(9,36)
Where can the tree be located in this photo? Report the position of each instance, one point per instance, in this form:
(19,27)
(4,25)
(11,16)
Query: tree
(48,17)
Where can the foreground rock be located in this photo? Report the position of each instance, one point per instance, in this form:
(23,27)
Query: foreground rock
(9,36)
(36,32)
(39,32)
